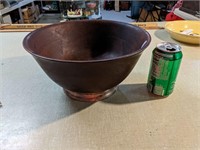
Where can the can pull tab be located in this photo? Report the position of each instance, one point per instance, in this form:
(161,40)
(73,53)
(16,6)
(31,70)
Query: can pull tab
(170,48)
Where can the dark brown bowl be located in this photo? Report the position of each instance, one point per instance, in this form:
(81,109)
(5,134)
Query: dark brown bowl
(88,58)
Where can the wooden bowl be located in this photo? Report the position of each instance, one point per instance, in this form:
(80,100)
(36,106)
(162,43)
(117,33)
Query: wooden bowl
(88,58)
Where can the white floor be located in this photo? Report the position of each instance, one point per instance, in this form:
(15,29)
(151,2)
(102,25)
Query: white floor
(106,15)
(117,16)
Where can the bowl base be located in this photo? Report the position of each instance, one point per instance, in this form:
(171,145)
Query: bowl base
(90,97)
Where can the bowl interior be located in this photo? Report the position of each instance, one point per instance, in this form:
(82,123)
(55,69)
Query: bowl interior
(180,26)
(185,31)
(87,40)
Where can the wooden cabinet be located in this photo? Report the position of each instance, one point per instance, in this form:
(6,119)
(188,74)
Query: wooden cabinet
(25,11)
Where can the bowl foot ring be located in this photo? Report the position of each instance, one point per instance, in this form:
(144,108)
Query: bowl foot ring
(90,97)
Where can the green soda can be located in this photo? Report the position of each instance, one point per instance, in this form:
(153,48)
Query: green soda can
(165,63)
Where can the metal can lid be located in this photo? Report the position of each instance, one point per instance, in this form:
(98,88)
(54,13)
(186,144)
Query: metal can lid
(169,47)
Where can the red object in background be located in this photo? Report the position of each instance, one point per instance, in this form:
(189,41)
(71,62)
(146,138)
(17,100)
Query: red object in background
(171,17)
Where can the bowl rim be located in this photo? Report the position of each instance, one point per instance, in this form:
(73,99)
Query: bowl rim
(169,29)
(143,47)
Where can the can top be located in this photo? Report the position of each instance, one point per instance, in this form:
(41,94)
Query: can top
(169,47)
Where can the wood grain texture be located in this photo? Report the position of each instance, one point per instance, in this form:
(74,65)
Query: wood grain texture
(32,27)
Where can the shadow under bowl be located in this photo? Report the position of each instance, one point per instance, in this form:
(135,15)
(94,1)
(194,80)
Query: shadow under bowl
(88,58)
